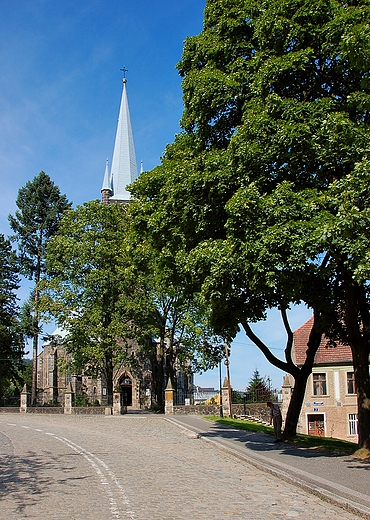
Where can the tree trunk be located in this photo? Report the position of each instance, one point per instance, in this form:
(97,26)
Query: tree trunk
(159,381)
(300,374)
(158,374)
(361,369)
(295,405)
(109,376)
(358,322)
(35,341)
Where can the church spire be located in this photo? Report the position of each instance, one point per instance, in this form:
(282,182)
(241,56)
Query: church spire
(106,189)
(124,169)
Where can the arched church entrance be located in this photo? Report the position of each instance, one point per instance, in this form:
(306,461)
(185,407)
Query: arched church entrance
(126,390)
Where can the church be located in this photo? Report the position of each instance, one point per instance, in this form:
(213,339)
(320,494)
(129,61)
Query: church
(134,385)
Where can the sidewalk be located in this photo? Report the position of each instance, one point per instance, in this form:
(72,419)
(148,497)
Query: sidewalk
(341,480)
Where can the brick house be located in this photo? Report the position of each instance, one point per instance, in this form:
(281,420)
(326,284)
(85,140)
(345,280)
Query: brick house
(330,403)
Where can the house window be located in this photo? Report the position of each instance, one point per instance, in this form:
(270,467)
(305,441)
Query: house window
(351,384)
(319,384)
(353,422)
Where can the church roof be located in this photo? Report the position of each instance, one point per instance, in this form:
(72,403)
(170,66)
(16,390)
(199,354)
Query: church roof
(124,169)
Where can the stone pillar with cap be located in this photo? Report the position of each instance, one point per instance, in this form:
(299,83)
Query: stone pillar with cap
(117,408)
(168,398)
(287,389)
(24,399)
(68,399)
(225,398)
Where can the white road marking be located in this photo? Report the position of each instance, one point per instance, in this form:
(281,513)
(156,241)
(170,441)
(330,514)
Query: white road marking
(103,471)
(95,463)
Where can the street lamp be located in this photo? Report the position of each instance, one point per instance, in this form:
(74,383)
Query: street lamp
(221,409)
(227,363)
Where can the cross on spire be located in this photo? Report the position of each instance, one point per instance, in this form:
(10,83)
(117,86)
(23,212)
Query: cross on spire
(124,70)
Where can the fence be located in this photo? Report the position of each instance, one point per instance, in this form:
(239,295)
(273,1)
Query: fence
(11,401)
(257,396)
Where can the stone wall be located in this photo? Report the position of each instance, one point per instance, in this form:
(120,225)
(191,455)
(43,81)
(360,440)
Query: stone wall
(88,410)
(258,410)
(45,409)
(199,409)
(9,409)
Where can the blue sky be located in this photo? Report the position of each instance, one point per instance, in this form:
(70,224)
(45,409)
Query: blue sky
(59,99)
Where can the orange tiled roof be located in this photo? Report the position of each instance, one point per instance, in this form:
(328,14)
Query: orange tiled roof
(339,354)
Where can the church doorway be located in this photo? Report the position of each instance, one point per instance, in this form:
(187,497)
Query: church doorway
(126,391)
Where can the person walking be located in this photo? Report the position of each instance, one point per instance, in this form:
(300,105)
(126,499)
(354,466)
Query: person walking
(275,419)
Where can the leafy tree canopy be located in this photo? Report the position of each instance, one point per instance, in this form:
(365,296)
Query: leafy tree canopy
(262,201)
(91,290)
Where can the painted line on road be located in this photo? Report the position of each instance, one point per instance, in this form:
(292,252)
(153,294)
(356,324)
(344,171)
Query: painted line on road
(94,461)
(104,473)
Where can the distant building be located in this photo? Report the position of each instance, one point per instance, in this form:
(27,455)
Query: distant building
(330,403)
(202,395)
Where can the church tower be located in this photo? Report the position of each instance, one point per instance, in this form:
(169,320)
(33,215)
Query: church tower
(124,169)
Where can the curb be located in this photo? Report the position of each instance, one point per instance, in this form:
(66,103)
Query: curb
(325,490)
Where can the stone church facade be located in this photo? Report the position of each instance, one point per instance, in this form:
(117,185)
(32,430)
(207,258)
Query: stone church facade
(133,384)
(53,379)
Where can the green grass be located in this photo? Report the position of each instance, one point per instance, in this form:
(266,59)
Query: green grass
(303,441)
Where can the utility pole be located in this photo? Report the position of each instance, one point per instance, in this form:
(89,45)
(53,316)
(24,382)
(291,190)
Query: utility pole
(221,409)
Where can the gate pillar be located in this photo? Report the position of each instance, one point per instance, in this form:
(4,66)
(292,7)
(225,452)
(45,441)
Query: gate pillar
(24,399)
(68,400)
(168,398)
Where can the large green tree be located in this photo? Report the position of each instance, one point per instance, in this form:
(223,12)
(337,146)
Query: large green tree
(262,200)
(40,208)
(92,290)
(11,340)
(107,291)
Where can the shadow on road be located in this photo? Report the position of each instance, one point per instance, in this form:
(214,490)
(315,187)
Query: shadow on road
(260,442)
(27,478)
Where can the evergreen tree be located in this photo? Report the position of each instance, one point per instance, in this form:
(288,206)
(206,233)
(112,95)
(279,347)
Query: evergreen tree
(11,341)
(40,208)
(258,390)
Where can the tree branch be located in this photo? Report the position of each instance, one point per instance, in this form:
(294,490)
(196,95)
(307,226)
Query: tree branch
(264,349)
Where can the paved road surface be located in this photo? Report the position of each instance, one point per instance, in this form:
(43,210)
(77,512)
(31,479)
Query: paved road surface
(138,467)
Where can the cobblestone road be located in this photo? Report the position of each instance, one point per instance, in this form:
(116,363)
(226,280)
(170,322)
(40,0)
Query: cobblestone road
(134,467)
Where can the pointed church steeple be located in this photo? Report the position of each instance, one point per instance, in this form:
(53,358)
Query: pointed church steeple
(124,169)
(106,189)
